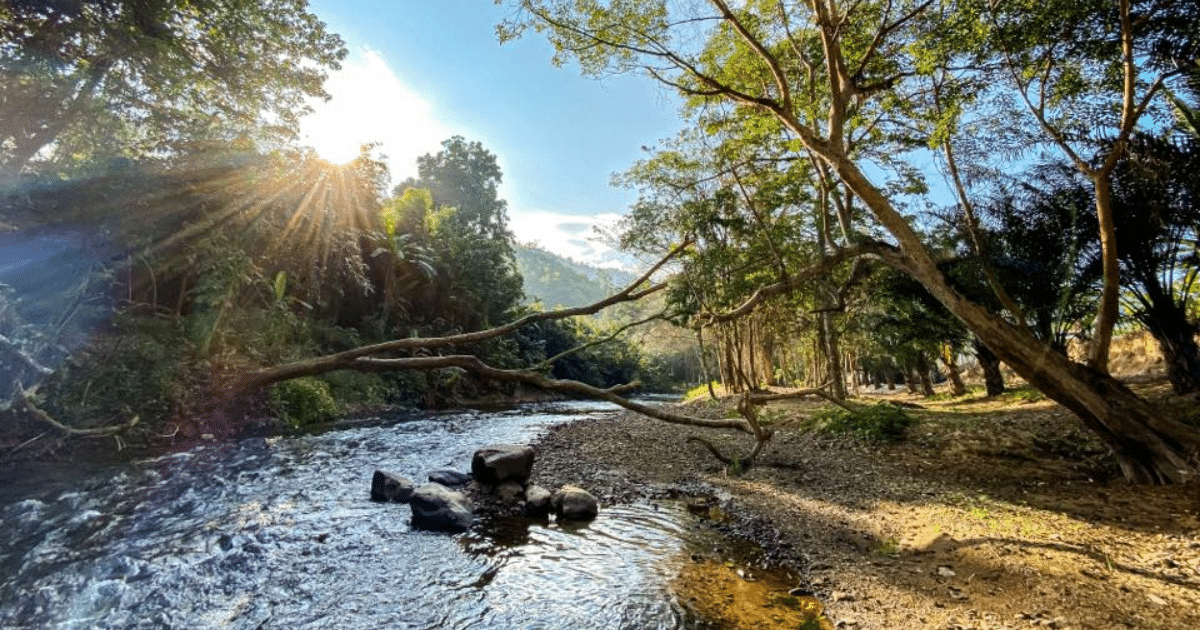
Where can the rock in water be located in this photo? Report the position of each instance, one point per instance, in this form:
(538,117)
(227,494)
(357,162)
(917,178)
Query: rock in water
(510,492)
(575,503)
(537,502)
(450,478)
(389,487)
(438,508)
(498,463)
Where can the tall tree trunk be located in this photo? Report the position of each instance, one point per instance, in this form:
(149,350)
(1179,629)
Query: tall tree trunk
(911,379)
(827,334)
(993,378)
(958,388)
(922,367)
(1109,307)
(704,364)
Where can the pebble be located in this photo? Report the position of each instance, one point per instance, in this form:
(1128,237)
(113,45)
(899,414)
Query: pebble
(945,571)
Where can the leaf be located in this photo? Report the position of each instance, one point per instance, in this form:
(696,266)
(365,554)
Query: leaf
(280,285)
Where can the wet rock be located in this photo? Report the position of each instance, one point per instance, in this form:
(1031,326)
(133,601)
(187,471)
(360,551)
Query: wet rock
(574,503)
(510,492)
(389,487)
(450,478)
(537,502)
(498,463)
(438,508)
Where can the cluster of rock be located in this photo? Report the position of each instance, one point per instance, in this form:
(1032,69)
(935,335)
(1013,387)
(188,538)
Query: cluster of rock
(500,472)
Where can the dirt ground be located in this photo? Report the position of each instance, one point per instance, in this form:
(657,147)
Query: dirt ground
(993,513)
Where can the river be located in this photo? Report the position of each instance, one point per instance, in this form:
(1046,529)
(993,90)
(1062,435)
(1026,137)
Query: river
(279,533)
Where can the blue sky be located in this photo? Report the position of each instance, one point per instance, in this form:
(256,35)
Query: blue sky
(420,71)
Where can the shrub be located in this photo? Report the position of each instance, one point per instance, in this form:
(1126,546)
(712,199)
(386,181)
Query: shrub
(302,401)
(878,423)
(136,368)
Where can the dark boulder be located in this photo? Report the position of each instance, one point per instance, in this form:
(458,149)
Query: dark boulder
(575,504)
(389,487)
(450,478)
(493,465)
(438,508)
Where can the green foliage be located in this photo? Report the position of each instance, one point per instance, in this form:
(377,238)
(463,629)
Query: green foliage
(699,391)
(350,389)
(221,269)
(303,401)
(131,78)
(880,422)
(559,282)
(137,368)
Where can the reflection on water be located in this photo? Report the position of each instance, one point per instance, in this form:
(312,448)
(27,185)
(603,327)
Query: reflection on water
(280,534)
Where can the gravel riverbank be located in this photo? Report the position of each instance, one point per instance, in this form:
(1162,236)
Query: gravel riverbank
(976,521)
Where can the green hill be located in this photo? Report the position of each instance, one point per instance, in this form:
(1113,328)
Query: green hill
(557,281)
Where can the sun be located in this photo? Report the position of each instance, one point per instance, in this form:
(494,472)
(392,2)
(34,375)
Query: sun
(370,104)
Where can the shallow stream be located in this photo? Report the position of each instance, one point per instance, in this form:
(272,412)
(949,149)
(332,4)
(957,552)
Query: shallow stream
(280,533)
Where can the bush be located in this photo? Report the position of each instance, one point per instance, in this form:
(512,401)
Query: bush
(303,401)
(136,368)
(878,423)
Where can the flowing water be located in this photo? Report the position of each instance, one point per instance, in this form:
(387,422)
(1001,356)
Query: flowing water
(280,533)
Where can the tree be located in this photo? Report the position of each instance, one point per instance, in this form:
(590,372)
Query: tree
(1087,75)
(857,65)
(468,226)
(1156,192)
(131,78)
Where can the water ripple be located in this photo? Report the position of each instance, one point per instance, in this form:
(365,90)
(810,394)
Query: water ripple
(279,533)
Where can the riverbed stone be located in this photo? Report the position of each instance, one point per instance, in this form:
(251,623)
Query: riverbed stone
(510,492)
(438,508)
(450,478)
(495,464)
(388,487)
(575,504)
(537,502)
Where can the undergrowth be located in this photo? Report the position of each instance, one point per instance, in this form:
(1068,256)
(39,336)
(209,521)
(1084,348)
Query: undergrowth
(880,422)
(303,401)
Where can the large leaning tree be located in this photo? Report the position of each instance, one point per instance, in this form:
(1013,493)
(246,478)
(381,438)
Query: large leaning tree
(129,78)
(882,73)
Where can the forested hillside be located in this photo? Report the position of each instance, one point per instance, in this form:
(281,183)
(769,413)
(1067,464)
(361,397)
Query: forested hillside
(557,281)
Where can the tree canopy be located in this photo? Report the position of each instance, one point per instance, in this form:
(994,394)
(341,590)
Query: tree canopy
(132,78)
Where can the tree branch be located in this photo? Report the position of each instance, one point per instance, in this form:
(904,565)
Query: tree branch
(875,249)
(348,358)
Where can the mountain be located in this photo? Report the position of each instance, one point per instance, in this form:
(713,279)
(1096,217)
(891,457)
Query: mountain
(558,281)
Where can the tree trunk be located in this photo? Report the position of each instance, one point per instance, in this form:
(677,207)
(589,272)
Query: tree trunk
(833,356)
(952,371)
(1176,338)
(922,367)
(1109,307)
(704,364)
(993,378)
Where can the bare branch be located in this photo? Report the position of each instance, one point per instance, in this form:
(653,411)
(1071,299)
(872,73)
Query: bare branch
(476,366)
(347,359)
(875,249)
(607,338)
(36,412)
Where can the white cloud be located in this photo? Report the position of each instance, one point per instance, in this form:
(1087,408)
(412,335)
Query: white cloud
(569,235)
(369,103)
